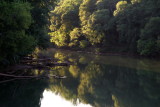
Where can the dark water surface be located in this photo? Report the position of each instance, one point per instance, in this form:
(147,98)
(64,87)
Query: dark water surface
(92,81)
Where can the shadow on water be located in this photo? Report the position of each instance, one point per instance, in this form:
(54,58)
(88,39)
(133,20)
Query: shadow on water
(101,81)
(22,93)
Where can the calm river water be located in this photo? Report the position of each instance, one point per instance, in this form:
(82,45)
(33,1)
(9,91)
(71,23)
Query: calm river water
(92,81)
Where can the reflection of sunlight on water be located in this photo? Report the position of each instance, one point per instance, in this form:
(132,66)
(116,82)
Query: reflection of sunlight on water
(52,100)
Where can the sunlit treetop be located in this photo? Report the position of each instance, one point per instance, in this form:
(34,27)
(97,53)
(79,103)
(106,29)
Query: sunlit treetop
(135,1)
(120,6)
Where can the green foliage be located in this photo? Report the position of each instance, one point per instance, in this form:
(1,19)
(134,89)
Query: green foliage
(129,23)
(59,38)
(40,14)
(65,15)
(107,23)
(99,20)
(75,34)
(85,10)
(16,15)
(149,43)
(15,20)
(107,4)
(120,6)
(132,20)
(146,47)
(75,37)
(23,26)
(63,19)
(83,44)
(151,29)
(135,1)
(68,18)
(94,37)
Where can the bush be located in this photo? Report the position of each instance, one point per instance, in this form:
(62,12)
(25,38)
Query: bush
(146,47)
(83,44)
(14,40)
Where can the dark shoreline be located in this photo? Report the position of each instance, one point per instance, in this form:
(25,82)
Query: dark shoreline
(110,53)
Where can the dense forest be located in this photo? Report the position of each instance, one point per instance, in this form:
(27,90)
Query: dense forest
(36,39)
(107,25)
(103,25)
(23,26)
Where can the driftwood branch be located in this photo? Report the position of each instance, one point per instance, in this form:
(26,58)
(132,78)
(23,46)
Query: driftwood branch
(15,76)
(7,80)
(30,63)
(40,76)
(42,63)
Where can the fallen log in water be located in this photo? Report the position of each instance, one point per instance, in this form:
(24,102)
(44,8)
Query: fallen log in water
(34,66)
(16,76)
(57,64)
(44,64)
(49,62)
(35,60)
(47,65)
(39,76)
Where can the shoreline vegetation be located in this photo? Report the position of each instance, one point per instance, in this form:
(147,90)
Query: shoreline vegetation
(129,26)
(23,27)
(40,60)
(113,27)
(94,51)
(32,63)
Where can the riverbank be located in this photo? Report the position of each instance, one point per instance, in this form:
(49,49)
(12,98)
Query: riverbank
(52,57)
(98,51)
(102,73)
(35,64)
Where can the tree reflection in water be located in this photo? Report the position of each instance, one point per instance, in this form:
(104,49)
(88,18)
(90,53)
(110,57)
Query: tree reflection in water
(22,93)
(50,99)
(107,85)
(90,81)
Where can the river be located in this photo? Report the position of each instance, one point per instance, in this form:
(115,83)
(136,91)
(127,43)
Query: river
(92,81)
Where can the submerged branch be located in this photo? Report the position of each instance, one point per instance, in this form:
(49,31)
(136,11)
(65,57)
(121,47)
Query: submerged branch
(7,80)
(40,76)
(8,75)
